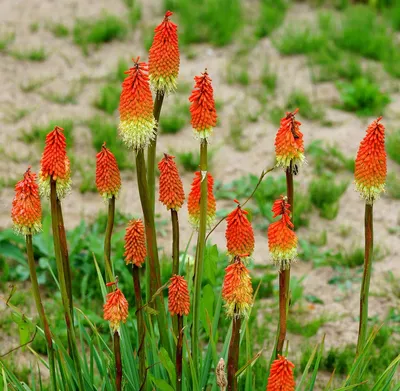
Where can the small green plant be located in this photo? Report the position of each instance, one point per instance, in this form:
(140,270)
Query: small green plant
(269,79)
(306,108)
(393,185)
(34,27)
(38,55)
(108,100)
(325,194)
(96,32)
(363,97)
(134,12)
(34,84)
(306,329)
(238,73)
(236,134)
(59,30)
(14,114)
(272,13)
(175,119)
(393,145)
(189,160)
(5,40)
(70,97)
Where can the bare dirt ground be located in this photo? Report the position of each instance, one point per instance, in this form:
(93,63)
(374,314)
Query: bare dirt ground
(66,64)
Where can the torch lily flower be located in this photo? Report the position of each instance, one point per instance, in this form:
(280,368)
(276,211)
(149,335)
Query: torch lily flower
(135,243)
(108,177)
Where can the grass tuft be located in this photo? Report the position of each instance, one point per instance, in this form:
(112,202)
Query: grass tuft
(108,100)
(38,55)
(272,14)
(59,30)
(5,40)
(393,145)
(307,109)
(174,119)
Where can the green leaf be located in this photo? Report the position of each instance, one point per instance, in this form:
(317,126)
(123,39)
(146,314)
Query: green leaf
(25,327)
(10,251)
(168,364)
(161,385)
(210,263)
(207,307)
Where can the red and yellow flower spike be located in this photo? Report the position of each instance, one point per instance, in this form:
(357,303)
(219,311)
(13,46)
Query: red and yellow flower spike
(282,240)
(135,243)
(239,232)
(178,296)
(137,122)
(370,168)
(55,164)
(281,377)
(115,309)
(289,145)
(202,108)
(171,188)
(164,56)
(108,177)
(26,212)
(237,290)
(194,200)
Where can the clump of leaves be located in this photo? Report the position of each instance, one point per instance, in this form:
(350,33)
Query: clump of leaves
(174,119)
(271,16)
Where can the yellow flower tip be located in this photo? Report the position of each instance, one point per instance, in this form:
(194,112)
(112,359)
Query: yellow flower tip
(63,185)
(137,134)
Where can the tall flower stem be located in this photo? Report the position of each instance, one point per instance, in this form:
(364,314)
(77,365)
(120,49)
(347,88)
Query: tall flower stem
(284,275)
(40,310)
(369,248)
(233,354)
(62,282)
(201,241)
(140,324)
(118,361)
(107,239)
(175,241)
(152,149)
(153,270)
(178,356)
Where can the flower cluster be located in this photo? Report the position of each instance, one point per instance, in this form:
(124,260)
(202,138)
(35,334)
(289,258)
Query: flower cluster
(108,178)
(370,166)
(135,243)
(281,377)
(178,296)
(115,309)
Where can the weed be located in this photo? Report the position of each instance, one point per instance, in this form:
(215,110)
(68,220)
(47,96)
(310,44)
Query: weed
(5,40)
(393,185)
(307,329)
(236,134)
(269,79)
(393,14)
(35,84)
(272,13)
(363,97)
(238,73)
(38,132)
(14,114)
(96,32)
(393,145)
(104,130)
(88,175)
(189,160)
(71,97)
(108,100)
(134,13)
(325,194)
(307,109)
(59,30)
(38,55)
(275,115)
(34,27)
(175,118)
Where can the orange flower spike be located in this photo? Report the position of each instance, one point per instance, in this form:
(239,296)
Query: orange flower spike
(55,164)
(282,240)
(237,290)
(370,168)
(164,56)
(289,145)
(171,188)
(281,377)
(137,122)
(178,296)
(26,212)
(135,243)
(108,178)
(239,233)
(194,200)
(202,108)
(115,309)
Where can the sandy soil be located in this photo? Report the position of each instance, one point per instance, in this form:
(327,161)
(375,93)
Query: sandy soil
(66,64)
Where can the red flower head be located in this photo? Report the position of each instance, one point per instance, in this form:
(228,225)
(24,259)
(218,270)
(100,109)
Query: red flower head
(164,56)
(239,233)
(370,170)
(178,296)
(55,164)
(135,243)
(237,290)
(115,309)
(281,376)
(137,122)
(282,240)
(26,212)
(289,145)
(108,178)
(202,108)
(194,200)
(171,188)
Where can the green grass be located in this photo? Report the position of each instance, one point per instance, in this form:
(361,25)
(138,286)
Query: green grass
(174,119)
(236,134)
(5,40)
(238,73)
(59,30)
(362,96)
(213,21)
(37,55)
(38,132)
(393,186)
(271,16)
(34,27)
(269,79)
(108,99)
(307,109)
(106,28)
(134,12)
(325,194)
(103,129)
(189,160)
(306,329)
(393,145)
(71,97)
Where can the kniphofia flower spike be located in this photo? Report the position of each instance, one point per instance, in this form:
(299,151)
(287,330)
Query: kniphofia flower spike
(115,309)
(289,145)
(26,212)
(178,296)
(281,377)
(171,188)
(202,108)
(370,166)
(135,243)
(108,178)
(137,122)
(194,200)
(55,164)
(282,240)
(164,56)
